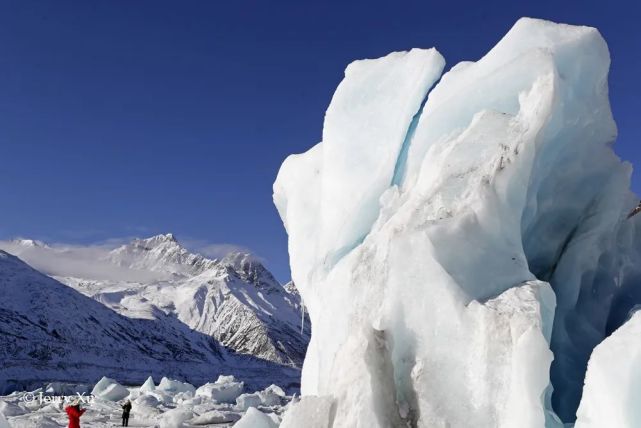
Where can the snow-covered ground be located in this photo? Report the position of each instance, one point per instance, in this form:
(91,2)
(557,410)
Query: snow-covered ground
(170,404)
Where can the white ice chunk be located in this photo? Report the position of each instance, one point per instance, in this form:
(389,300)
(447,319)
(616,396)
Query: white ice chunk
(271,396)
(424,242)
(254,418)
(225,379)
(109,389)
(176,418)
(174,386)
(215,417)
(315,411)
(245,401)
(370,115)
(146,400)
(275,389)
(365,129)
(184,397)
(224,390)
(612,391)
(54,388)
(148,385)
(160,396)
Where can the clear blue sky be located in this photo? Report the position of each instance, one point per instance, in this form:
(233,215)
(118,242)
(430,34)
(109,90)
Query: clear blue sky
(122,118)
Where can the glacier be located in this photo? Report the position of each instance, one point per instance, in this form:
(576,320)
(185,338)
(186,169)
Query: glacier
(462,241)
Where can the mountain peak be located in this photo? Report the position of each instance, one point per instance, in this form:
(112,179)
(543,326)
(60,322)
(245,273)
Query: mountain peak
(157,239)
(165,241)
(29,242)
(249,268)
(168,237)
(160,253)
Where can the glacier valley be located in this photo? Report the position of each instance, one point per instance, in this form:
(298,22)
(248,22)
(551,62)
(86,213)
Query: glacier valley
(464,245)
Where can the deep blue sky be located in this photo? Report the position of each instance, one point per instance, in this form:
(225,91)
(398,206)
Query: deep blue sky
(122,118)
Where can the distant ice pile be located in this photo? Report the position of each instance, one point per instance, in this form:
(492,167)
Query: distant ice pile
(463,247)
(170,404)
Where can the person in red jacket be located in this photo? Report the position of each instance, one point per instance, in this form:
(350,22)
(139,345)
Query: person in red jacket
(74,412)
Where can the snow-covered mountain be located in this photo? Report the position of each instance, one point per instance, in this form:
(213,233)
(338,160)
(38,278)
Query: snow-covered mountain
(236,300)
(162,254)
(463,242)
(50,331)
(213,311)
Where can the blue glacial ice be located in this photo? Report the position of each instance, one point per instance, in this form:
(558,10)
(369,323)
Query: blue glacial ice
(460,259)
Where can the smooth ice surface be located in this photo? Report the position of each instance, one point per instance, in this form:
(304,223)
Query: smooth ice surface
(441,265)
(612,391)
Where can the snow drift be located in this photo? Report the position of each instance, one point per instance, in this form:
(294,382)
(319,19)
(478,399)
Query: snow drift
(462,249)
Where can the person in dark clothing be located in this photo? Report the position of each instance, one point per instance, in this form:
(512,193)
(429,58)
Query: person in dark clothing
(126,409)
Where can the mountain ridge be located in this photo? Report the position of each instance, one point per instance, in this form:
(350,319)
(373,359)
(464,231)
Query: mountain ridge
(234,300)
